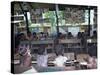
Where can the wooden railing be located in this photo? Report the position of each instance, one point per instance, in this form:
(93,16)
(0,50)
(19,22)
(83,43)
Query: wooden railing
(72,41)
(68,43)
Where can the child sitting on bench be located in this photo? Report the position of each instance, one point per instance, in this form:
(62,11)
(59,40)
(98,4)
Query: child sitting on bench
(61,59)
(42,57)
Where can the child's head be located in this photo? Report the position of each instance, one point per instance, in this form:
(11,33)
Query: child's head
(41,50)
(59,50)
(29,34)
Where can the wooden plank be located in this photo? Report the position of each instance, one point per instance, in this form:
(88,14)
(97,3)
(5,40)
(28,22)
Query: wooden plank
(70,41)
(42,42)
(91,40)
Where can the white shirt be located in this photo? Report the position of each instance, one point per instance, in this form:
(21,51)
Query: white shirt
(42,60)
(60,61)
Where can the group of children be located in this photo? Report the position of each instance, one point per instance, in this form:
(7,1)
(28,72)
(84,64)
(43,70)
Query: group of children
(42,57)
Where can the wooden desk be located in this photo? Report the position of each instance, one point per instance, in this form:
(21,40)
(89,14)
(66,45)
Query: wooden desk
(83,65)
(72,44)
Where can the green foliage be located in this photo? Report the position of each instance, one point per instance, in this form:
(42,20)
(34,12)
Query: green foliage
(51,16)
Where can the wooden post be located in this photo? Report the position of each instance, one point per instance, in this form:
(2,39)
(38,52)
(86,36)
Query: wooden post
(56,12)
(89,26)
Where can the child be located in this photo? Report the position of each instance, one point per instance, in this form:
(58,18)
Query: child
(60,60)
(91,62)
(42,57)
(25,56)
(92,59)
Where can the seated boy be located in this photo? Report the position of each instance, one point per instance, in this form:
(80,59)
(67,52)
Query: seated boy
(42,57)
(61,59)
(25,56)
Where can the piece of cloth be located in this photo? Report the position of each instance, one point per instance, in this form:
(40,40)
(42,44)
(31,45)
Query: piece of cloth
(60,61)
(42,60)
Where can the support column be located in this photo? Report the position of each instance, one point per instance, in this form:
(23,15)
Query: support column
(89,26)
(25,14)
(27,24)
(56,12)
